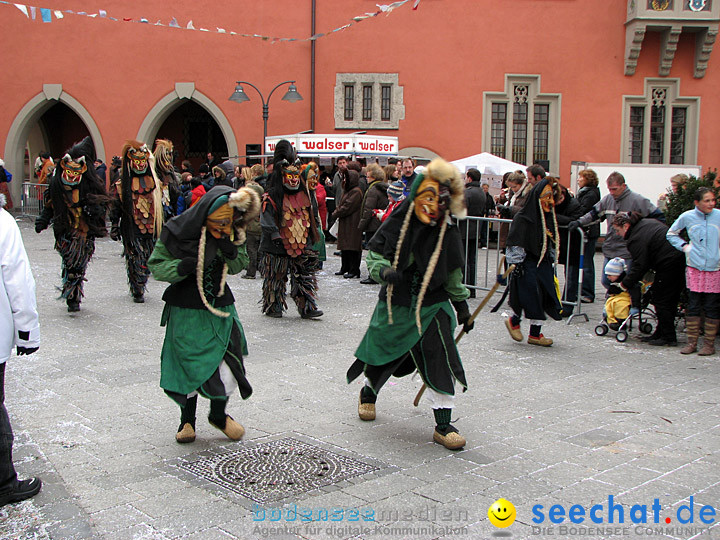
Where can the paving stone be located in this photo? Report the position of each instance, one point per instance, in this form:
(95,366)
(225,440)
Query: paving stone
(102,434)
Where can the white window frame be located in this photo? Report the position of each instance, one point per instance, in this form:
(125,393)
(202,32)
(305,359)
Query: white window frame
(377,81)
(672,98)
(534,97)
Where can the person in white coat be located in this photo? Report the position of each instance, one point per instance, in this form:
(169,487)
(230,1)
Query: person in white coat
(19,329)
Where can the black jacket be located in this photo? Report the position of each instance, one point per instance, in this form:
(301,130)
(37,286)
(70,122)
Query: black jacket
(475,200)
(588,196)
(567,211)
(650,250)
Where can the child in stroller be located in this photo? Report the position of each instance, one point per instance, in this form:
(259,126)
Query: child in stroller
(622,305)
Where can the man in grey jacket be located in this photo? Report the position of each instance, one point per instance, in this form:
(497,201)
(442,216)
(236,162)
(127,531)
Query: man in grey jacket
(620,199)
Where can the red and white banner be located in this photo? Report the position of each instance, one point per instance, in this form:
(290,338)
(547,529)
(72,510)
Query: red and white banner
(315,144)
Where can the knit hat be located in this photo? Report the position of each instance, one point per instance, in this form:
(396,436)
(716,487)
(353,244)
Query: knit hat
(615,267)
(395,190)
(204,168)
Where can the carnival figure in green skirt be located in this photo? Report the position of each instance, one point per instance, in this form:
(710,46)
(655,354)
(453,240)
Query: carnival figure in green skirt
(204,343)
(417,256)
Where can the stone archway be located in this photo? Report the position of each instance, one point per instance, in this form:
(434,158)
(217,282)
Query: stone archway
(166,105)
(27,118)
(418,152)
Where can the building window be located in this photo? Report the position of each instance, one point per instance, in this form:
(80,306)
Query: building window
(385,102)
(660,127)
(637,130)
(657,131)
(540,132)
(499,122)
(368,101)
(519,126)
(532,133)
(677,135)
(349,101)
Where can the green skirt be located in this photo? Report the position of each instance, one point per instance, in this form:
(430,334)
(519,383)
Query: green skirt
(196,343)
(398,349)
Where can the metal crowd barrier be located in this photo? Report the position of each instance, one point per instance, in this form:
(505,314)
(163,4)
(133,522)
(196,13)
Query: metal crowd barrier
(489,253)
(32,199)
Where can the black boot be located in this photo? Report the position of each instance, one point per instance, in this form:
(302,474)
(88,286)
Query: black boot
(186,431)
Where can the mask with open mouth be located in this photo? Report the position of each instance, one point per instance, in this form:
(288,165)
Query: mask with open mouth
(291,178)
(72,171)
(138,159)
(431,201)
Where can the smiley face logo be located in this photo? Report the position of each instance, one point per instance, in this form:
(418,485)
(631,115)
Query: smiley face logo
(502,513)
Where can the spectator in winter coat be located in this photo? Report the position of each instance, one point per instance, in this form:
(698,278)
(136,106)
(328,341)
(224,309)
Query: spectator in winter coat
(198,190)
(470,229)
(221,178)
(349,239)
(702,226)
(589,195)
(646,241)
(620,199)
(375,198)
(518,190)
(101,169)
(567,209)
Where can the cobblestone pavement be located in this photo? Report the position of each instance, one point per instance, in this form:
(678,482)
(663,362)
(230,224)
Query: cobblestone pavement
(573,424)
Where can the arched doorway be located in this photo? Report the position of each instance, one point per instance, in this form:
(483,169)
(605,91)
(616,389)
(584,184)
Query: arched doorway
(194,133)
(192,122)
(56,131)
(51,121)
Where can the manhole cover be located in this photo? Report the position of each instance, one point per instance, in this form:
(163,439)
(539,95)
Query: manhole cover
(274,470)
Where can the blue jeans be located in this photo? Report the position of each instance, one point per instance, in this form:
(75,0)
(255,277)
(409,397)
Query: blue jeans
(588,282)
(8,477)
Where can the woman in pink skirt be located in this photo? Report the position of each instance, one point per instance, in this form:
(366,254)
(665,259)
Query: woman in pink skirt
(702,254)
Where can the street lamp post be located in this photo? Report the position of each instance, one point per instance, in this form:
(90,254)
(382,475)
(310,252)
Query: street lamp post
(239,96)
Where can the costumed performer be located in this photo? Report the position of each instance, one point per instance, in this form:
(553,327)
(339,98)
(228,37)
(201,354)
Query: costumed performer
(289,230)
(76,204)
(532,246)
(311,177)
(137,215)
(204,342)
(417,256)
(169,181)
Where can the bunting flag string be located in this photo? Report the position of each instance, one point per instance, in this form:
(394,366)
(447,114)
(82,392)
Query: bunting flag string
(46,15)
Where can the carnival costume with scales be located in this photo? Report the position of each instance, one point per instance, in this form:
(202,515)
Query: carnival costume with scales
(137,214)
(289,230)
(204,342)
(75,202)
(417,255)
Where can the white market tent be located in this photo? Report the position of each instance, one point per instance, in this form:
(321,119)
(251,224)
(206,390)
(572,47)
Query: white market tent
(488,164)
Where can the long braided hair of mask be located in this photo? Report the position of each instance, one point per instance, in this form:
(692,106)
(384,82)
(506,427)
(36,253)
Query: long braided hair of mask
(556,240)
(200,273)
(398,248)
(429,272)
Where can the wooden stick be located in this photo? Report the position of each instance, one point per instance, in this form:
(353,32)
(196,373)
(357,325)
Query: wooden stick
(487,298)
